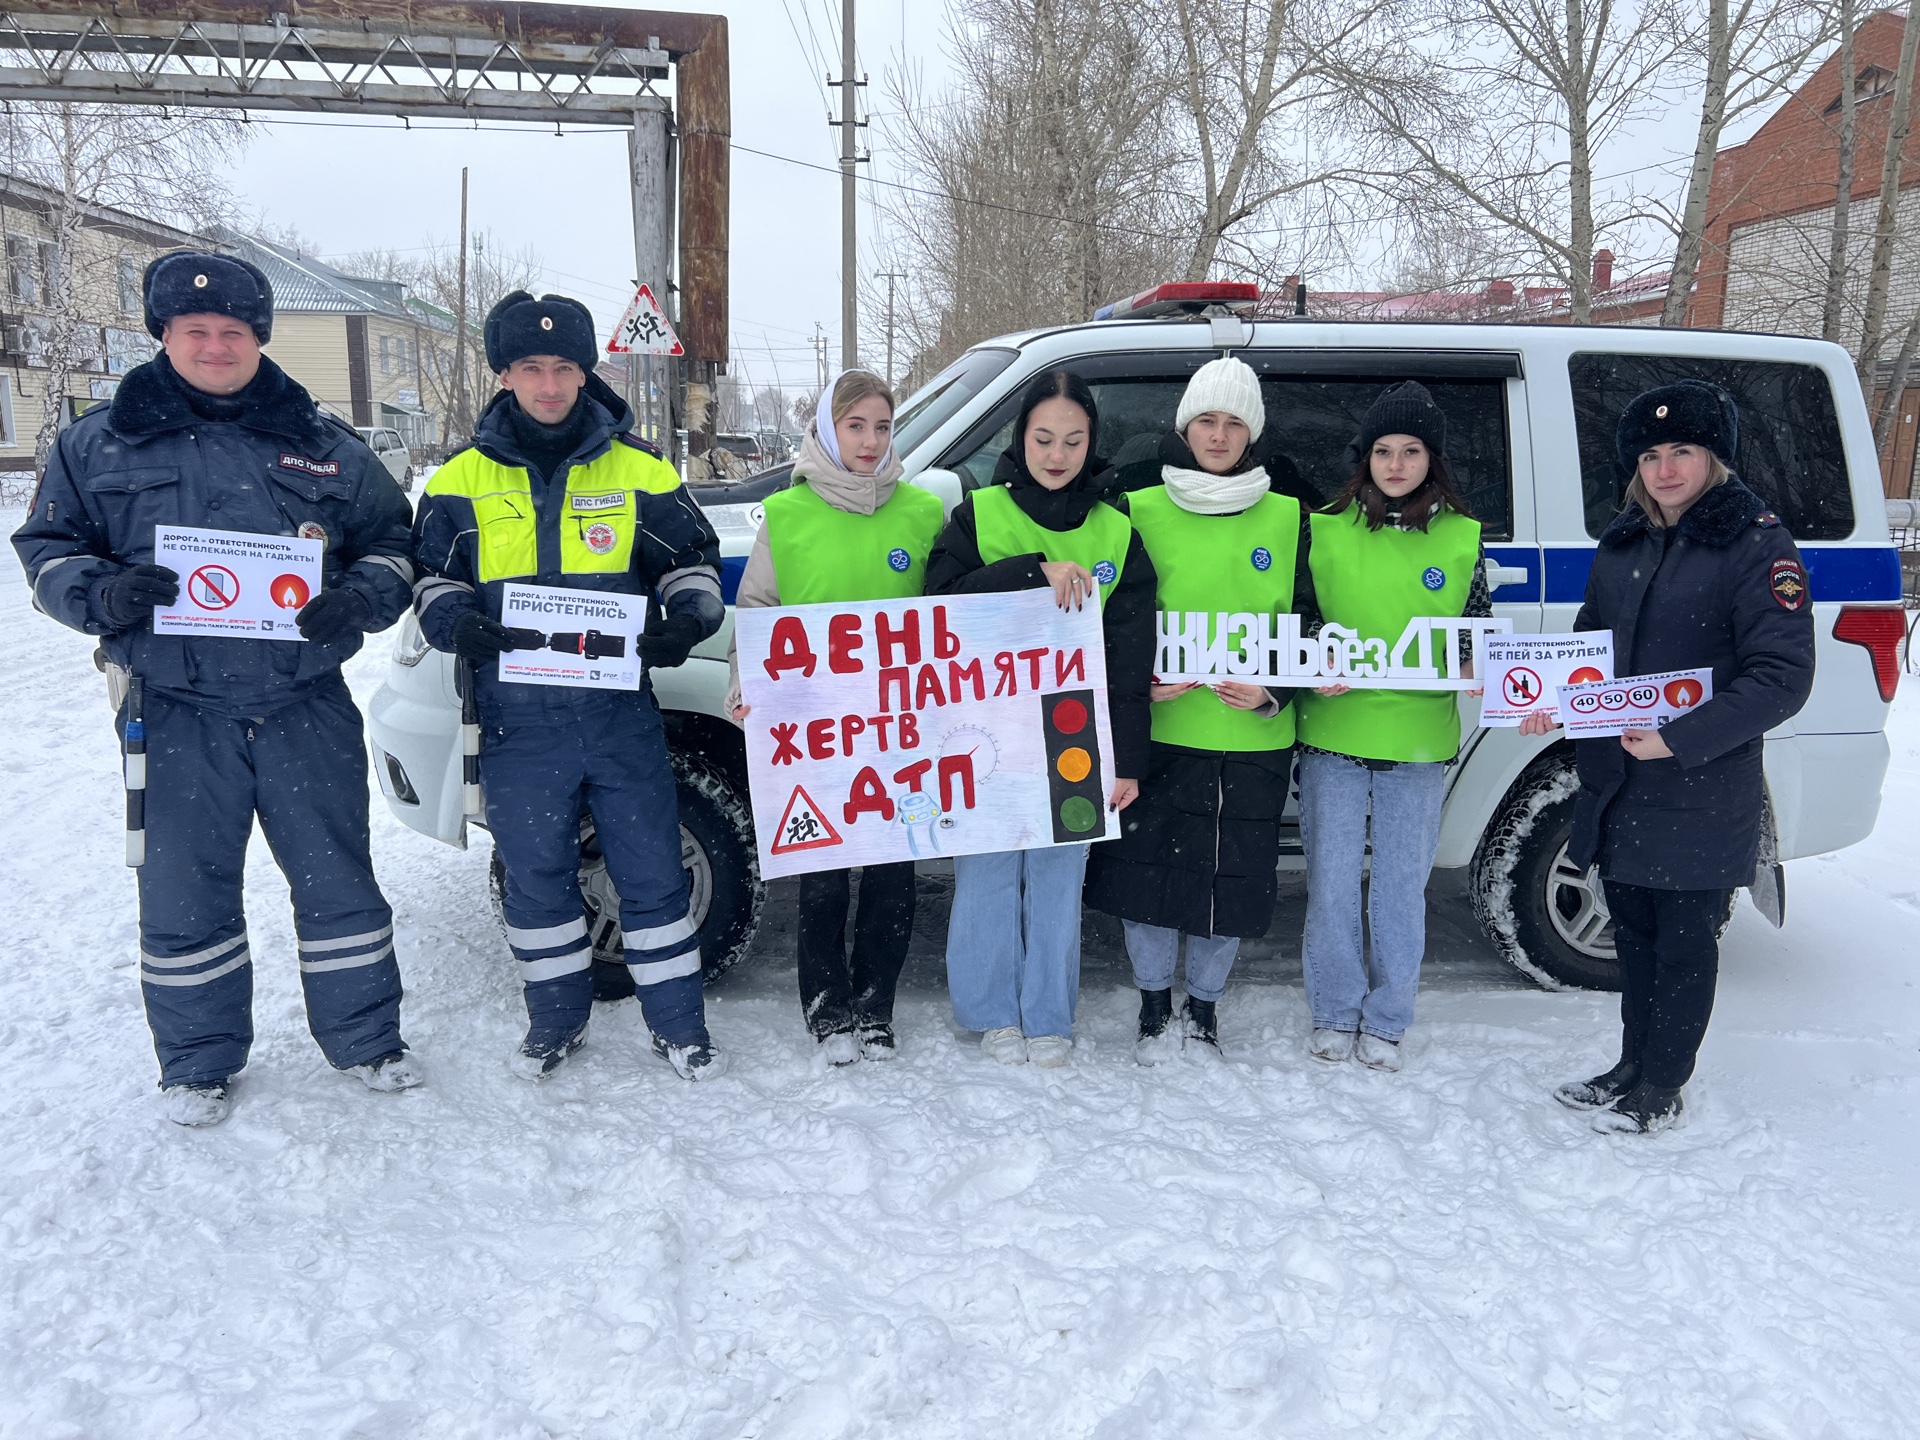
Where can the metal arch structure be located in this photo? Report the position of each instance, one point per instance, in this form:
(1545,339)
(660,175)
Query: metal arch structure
(440,59)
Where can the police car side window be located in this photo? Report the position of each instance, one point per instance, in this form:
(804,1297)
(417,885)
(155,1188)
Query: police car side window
(1312,420)
(1790,448)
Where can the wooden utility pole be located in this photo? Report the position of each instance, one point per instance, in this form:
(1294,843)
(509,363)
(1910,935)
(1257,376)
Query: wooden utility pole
(890,276)
(462,413)
(849,157)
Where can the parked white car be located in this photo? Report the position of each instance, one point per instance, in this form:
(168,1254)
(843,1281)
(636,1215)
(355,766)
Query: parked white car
(1531,413)
(391,451)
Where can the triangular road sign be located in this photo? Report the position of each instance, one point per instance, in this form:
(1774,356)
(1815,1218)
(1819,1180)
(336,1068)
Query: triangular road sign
(803,827)
(644,330)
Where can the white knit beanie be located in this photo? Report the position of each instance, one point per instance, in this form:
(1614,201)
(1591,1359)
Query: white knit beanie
(1228,385)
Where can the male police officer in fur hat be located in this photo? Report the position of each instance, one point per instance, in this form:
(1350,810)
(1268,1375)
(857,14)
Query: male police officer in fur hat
(555,493)
(212,434)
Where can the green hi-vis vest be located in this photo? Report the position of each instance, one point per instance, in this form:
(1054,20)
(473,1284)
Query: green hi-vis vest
(1376,582)
(1098,544)
(1220,563)
(597,522)
(822,554)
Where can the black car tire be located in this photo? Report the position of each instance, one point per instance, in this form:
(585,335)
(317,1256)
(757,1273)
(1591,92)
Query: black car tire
(1547,918)
(717,848)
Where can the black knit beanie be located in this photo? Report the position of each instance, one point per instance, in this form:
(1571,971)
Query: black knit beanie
(519,326)
(1687,412)
(1403,409)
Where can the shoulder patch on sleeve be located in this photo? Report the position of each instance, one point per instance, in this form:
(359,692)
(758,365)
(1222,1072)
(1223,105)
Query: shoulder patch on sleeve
(637,443)
(1788,582)
(1767,520)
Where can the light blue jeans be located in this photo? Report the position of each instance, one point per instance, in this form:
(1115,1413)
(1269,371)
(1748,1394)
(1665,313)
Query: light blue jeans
(1013,942)
(1344,992)
(1154,949)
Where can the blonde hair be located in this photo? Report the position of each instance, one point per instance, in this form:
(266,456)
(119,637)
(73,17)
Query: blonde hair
(855,386)
(1717,474)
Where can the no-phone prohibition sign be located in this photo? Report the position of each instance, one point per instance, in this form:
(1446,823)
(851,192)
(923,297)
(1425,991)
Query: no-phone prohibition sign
(213,587)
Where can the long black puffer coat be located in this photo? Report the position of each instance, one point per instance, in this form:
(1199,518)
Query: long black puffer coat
(1724,588)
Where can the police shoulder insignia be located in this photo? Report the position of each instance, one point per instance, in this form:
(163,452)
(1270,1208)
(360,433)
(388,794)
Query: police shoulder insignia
(637,443)
(1767,520)
(1788,582)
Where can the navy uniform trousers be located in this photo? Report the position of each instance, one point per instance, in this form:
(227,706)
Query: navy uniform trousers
(603,753)
(303,771)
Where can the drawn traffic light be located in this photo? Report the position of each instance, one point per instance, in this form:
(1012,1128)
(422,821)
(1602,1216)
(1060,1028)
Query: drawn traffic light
(1073,766)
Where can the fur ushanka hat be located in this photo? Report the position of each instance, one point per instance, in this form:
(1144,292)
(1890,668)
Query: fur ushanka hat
(1687,412)
(199,282)
(519,326)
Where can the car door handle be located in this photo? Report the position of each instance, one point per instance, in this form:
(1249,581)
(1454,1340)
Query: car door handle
(1498,574)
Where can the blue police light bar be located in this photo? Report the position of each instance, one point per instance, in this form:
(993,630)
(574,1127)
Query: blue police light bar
(1183,297)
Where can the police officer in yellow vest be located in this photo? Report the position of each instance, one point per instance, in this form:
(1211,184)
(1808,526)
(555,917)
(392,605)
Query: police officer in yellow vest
(554,492)
(1198,852)
(846,529)
(1398,543)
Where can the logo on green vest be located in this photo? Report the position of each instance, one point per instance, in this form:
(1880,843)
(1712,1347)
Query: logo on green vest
(1434,577)
(899,560)
(1104,572)
(1262,558)
(600,537)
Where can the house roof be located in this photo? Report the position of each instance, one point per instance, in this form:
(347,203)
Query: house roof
(32,195)
(306,285)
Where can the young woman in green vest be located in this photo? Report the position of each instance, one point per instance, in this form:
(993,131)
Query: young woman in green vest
(1197,854)
(1013,944)
(846,529)
(1398,543)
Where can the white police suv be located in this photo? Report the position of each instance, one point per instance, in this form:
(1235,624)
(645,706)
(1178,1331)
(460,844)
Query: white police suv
(1531,411)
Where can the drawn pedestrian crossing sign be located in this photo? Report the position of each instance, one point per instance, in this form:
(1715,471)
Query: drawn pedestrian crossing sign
(644,330)
(804,826)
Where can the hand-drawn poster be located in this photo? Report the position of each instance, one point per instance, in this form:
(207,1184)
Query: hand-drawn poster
(886,730)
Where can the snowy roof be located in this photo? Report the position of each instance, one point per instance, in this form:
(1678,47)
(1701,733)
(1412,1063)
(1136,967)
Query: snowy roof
(305,284)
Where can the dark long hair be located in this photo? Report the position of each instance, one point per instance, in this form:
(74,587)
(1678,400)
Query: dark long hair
(1417,507)
(1057,385)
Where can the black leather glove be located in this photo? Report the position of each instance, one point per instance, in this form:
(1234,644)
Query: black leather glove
(480,639)
(333,615)
(669,643)
(130,597)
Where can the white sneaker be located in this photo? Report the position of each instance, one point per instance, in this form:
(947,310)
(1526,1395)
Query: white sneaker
(1006,1044)
(1333,1046)
(1377,1054)
(839,1048)
(397,1071)
(1050,1051)
(196,1105)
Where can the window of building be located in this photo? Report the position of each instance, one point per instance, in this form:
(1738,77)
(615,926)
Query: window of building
(128,348)
(1790,449)
(126,274)
(25,279)
(386,354)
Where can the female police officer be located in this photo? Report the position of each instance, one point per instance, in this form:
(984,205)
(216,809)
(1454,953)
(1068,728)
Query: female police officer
(1695,573)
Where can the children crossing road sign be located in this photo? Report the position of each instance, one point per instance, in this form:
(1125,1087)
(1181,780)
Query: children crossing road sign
(644,329)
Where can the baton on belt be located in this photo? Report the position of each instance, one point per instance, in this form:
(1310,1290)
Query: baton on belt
(469,742)
(136,774)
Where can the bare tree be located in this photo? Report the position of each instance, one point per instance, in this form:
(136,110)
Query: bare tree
(1499,110)
(1886,221)
(1835,289)
(150,162)
(1748,53)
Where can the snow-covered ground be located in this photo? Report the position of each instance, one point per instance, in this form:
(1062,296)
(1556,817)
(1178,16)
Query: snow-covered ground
(941,1247)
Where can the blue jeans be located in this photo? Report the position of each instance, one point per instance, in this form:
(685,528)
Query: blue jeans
(1013,942)
(1343,991)
(1155,948)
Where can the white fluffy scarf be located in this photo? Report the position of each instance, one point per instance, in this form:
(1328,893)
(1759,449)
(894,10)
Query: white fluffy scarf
(1204,493)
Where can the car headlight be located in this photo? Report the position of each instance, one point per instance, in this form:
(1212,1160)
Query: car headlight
(410,647)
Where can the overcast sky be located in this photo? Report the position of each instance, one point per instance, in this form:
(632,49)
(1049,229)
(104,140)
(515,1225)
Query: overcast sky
(351,186)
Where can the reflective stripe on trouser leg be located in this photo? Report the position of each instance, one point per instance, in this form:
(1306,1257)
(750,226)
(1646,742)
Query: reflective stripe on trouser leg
(195,971)
(533,774)
(630,790)
(310,761)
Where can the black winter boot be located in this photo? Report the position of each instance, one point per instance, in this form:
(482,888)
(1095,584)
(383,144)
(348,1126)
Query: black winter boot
(1203,1028)
(1643,1110)
(545,1051)
(1601,1091)
(1156,1016)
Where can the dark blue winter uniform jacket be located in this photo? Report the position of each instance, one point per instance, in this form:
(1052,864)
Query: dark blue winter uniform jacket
(280,467)
(614,517)
(1723,589)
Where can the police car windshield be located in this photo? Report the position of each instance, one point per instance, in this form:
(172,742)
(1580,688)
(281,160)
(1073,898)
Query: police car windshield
(934,403)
